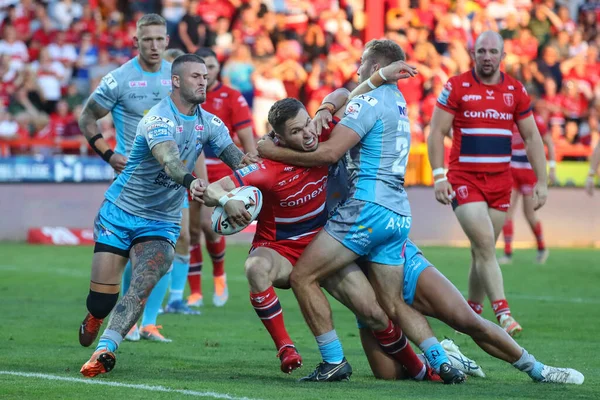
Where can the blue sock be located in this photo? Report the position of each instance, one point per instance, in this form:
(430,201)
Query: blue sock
(434,352)
(126,279)
(330,347)
(109,340)
(528,364)
(181,267)
(155,300)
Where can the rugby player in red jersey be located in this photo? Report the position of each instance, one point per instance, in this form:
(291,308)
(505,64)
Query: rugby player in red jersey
(481,106)
(523,182)
(230,106)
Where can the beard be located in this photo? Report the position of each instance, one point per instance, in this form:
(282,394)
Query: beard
(487,74)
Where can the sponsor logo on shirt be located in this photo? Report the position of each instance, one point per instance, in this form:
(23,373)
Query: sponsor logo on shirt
(110,81)
(199,128)
(488,114)
(165,82)
(133,84)
(179,128)
(490,95)
(157,132)
(135,96)
(352,110)
(216,121)
(370,100)
(403,110)
(471,97)
(156,118)
(308,192)
(247,170)
(289,169)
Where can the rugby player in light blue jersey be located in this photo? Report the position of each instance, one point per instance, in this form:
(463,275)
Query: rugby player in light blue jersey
(140,216)
(373,223)
(128,93)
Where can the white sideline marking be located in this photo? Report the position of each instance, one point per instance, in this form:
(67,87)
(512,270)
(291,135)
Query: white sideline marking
(123,385)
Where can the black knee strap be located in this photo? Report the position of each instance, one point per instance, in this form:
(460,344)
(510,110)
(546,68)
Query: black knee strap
(101,304)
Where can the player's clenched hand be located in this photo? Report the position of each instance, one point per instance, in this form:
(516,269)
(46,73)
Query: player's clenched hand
(237,215)
(118,162)
(443,192)
(399,70)
(540,195)
(321,120)
(197,189)
(265,147)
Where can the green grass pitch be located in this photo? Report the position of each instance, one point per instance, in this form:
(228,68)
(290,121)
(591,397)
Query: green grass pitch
(226,351)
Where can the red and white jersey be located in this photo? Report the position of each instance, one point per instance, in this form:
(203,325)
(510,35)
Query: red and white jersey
(484,116)
(293,199)
(230,106)
(519,155)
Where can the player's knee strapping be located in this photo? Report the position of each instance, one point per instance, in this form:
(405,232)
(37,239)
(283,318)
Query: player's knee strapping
(101,304)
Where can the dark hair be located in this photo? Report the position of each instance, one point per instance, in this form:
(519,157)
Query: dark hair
(151,19)
(186,58)
(385,51)
(282,111)
(205,52)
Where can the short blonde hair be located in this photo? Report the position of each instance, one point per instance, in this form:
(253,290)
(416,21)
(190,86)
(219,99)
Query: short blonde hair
(149,20)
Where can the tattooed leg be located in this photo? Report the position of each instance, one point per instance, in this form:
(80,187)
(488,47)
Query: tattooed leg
(150,261)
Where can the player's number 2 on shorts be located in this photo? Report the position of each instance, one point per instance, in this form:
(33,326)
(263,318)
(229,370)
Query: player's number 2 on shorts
(402,147)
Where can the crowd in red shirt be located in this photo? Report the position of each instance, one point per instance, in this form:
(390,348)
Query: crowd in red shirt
(53,53)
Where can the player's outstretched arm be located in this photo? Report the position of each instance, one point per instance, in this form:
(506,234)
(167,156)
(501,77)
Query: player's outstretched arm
(537,157)
(90,114)
(594,163)
(341,140)
(441,123)
(235,159)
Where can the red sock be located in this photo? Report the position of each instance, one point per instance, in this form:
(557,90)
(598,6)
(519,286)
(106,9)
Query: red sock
(500,308)
(507,230)
(216,250)
(195,273)
(393,341)
(477,307)
(537,230)
(267,307)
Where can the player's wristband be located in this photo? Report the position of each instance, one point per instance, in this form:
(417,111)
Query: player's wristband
(382,75)
(371,85)
(552,164)
(327,106)
(187,180)
(440,180)
(106,155)
(223,200)
(438,171)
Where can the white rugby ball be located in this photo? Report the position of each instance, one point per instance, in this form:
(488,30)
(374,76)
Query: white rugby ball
(252,198)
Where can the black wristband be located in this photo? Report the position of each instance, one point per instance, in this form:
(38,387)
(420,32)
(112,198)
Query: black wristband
(107,155)
(187,180)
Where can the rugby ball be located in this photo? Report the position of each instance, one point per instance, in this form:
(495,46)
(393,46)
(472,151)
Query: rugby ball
(252,198)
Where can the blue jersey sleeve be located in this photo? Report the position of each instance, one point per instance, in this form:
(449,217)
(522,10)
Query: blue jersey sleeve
(219,137)
(107,92)
(360,114)
(157,129)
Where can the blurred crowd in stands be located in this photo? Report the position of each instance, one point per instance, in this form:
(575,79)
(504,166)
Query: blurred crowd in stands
(53,54)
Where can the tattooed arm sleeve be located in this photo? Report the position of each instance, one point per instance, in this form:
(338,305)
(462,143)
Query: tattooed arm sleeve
(232,156)
(167,154)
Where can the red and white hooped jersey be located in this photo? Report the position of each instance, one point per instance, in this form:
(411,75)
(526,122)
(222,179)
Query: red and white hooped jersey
(484,116)
(519,155)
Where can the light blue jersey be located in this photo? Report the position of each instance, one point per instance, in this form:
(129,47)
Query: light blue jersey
(144,189)
(377,164)
(129,93)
